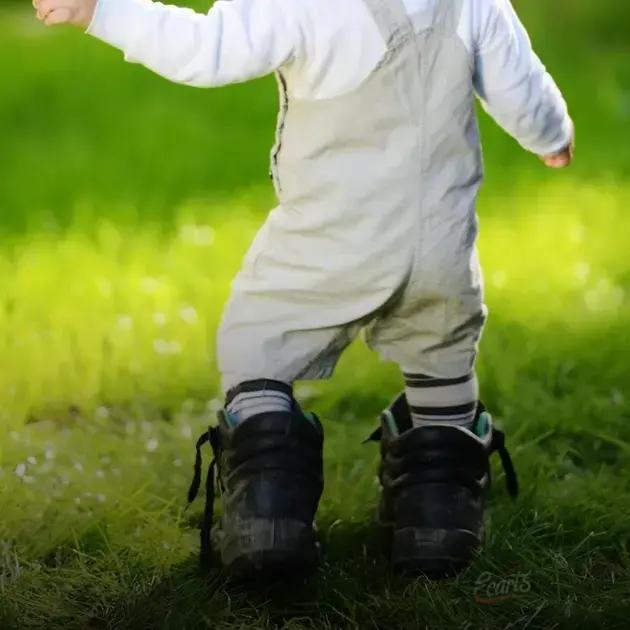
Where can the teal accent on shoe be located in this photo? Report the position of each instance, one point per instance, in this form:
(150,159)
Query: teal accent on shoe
(482,426)
(392,425)
(310,416)
(229,420)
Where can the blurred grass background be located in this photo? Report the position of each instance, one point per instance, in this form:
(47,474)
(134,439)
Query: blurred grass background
(127,202)
(126,205)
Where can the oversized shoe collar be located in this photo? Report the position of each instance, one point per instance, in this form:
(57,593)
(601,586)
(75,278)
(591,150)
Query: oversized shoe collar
(396,421)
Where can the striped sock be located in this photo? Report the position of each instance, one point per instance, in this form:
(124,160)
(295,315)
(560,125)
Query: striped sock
(256,397)
(442,400)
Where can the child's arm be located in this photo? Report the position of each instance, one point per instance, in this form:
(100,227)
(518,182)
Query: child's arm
(235,41)
(516,90)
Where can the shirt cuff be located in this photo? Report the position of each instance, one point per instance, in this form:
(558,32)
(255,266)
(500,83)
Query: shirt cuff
(116,21)
(561,141)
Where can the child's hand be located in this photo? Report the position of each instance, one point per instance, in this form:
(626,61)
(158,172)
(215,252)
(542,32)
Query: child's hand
(563,158)
(77,12)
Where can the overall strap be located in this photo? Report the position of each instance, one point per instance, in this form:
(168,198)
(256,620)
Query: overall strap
(447,15)
(393,21)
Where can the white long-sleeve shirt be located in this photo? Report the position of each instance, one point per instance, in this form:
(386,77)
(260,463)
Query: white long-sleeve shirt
(328,47)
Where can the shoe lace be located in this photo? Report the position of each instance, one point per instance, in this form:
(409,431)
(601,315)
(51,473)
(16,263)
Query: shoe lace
(213,477)
(498,445)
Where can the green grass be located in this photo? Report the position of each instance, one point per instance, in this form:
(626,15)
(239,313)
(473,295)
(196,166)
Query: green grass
(127,204)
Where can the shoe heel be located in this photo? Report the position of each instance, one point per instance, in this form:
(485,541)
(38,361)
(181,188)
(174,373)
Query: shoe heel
(438,553)
(270,547)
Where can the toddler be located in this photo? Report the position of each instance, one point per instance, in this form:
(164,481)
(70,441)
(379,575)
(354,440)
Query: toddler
(377,165)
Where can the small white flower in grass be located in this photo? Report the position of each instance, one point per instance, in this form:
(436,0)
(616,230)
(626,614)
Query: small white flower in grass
(152,445)
(591,299)
(149,285)
(199,235)
(32,460)
(49,454)
(618,297)
(101,498)
(160,319)
(125,322)
(166,546)
(188,314)
(78,466)
(617,398)
(165,348)
(604,296)
(582,271)
(104,287)
(102,413)
(186,431)
(160,346)
(20,470)
(578,232)
(99,474)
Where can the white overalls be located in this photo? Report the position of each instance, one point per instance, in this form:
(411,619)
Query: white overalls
(376,225)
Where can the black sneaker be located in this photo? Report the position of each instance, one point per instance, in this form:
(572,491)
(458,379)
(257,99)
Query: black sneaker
(433,480)
(270,479)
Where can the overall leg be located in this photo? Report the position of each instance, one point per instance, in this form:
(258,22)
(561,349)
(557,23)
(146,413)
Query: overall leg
(277,328)
(436,437)
(268,339)
(270,458)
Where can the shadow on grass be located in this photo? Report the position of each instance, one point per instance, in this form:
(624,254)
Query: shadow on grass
(353,571)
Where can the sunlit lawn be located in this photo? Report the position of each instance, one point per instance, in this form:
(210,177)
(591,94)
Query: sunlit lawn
(126,207)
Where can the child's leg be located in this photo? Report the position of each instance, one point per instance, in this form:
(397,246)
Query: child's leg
(433,332)
(275,330)
(281,334)
(436,441)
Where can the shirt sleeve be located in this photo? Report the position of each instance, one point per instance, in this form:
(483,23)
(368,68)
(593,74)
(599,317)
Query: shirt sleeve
(513,84)
(235,41)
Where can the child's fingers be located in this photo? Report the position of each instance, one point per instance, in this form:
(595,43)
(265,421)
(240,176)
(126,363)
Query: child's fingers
(559,160)
(44,7)
(58,16)
(556,162)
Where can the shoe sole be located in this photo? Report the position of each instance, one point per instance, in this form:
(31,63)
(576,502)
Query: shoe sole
(436,553)
(269,549)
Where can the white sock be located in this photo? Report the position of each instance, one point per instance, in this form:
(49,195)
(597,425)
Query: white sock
(247,404)
(442,400)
